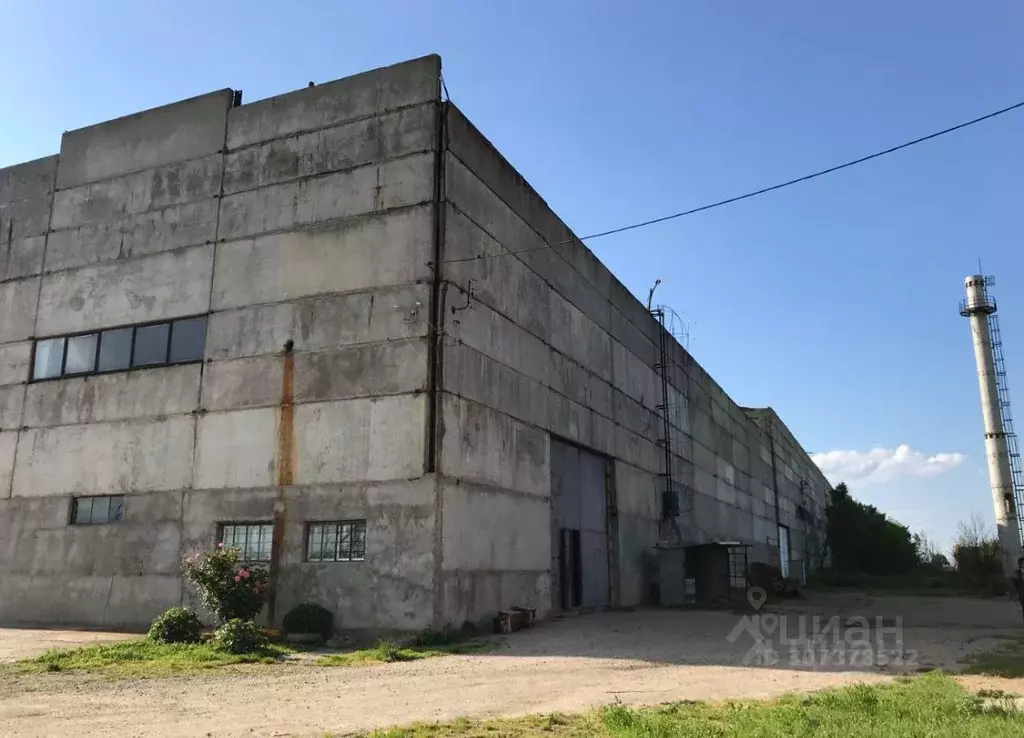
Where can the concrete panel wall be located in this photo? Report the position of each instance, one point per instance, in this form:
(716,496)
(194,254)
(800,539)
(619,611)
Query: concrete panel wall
(547,337)
(153,288)
(302,226)
(185,130)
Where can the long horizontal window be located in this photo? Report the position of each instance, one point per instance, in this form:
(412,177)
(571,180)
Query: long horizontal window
(131,347)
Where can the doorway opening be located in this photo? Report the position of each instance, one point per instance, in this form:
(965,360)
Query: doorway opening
(580,540)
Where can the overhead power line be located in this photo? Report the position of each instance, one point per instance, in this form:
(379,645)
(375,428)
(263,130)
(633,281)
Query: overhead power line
(755,193)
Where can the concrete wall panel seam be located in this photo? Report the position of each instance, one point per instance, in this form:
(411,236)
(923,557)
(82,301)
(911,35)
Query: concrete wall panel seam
(547,282)
(325,225)
(375,164)
(299,132)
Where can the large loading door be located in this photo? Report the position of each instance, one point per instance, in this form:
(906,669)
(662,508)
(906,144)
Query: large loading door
(579,491)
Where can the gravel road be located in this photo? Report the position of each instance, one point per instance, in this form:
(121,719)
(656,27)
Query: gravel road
(642,657)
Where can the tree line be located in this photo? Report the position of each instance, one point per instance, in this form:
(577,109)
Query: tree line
(863,541)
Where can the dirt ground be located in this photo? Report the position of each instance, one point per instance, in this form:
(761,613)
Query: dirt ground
(567,665)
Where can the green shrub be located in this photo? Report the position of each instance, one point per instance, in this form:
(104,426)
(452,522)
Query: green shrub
(240,636)
(388,651)
(176,625)
(309,617)
(229,590)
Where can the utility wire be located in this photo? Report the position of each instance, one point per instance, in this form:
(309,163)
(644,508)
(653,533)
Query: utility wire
(755,193)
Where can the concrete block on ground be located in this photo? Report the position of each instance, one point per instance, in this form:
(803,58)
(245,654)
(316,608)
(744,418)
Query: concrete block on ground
(168,285)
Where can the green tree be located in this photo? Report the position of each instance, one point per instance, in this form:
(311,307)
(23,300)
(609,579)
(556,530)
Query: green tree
(861,538)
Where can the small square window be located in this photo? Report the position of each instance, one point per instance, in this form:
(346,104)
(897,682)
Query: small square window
(97,510)
(81,356)
(151,345)
(255,540)
(188,340)
(49,357)
(336,541)
(115,350)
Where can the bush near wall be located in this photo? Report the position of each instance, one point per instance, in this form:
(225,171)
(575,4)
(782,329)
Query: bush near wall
(229,590)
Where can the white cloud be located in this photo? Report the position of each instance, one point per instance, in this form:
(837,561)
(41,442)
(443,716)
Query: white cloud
(881,465)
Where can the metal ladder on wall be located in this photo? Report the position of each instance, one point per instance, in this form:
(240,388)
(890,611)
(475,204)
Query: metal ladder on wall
(669,496)
(676,497)
(1012,446)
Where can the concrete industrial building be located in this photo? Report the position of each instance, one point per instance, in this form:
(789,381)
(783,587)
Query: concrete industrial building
(286,325)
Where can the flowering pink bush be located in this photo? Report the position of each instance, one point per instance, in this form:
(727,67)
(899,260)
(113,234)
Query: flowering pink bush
(229,590)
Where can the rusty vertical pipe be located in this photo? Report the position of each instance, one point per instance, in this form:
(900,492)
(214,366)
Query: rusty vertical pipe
(285,472)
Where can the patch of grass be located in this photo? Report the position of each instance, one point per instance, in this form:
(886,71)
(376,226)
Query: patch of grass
(143,657)
(927,705)
(387,651)
(1006,661)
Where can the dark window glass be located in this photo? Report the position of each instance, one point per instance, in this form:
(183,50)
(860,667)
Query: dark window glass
(151,345)
(97,510)
(81,354)
(49,356)
(115,350)
(253,539)
(340,541)
(188,340)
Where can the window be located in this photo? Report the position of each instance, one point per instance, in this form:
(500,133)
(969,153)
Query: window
(188,340)
(49,357)
(254,539)
(153,344)
(336,541)
(97,510)
(115,350)
(81,356)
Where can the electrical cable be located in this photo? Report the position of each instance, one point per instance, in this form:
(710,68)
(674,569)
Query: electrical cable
(755,193)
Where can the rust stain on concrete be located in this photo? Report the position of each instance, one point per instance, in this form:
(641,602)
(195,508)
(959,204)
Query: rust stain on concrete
(285,472)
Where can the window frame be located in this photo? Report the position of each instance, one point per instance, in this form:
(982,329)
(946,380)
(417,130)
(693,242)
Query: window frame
(221,526)
(337,558)
(73,512)
(98,332)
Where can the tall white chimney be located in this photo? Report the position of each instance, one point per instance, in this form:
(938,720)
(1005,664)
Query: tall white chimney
(979,306)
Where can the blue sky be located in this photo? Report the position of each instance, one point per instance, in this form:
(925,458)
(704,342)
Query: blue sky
(834,301)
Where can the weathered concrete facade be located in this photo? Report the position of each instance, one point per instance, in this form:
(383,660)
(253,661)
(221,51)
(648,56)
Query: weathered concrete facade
(361,363)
